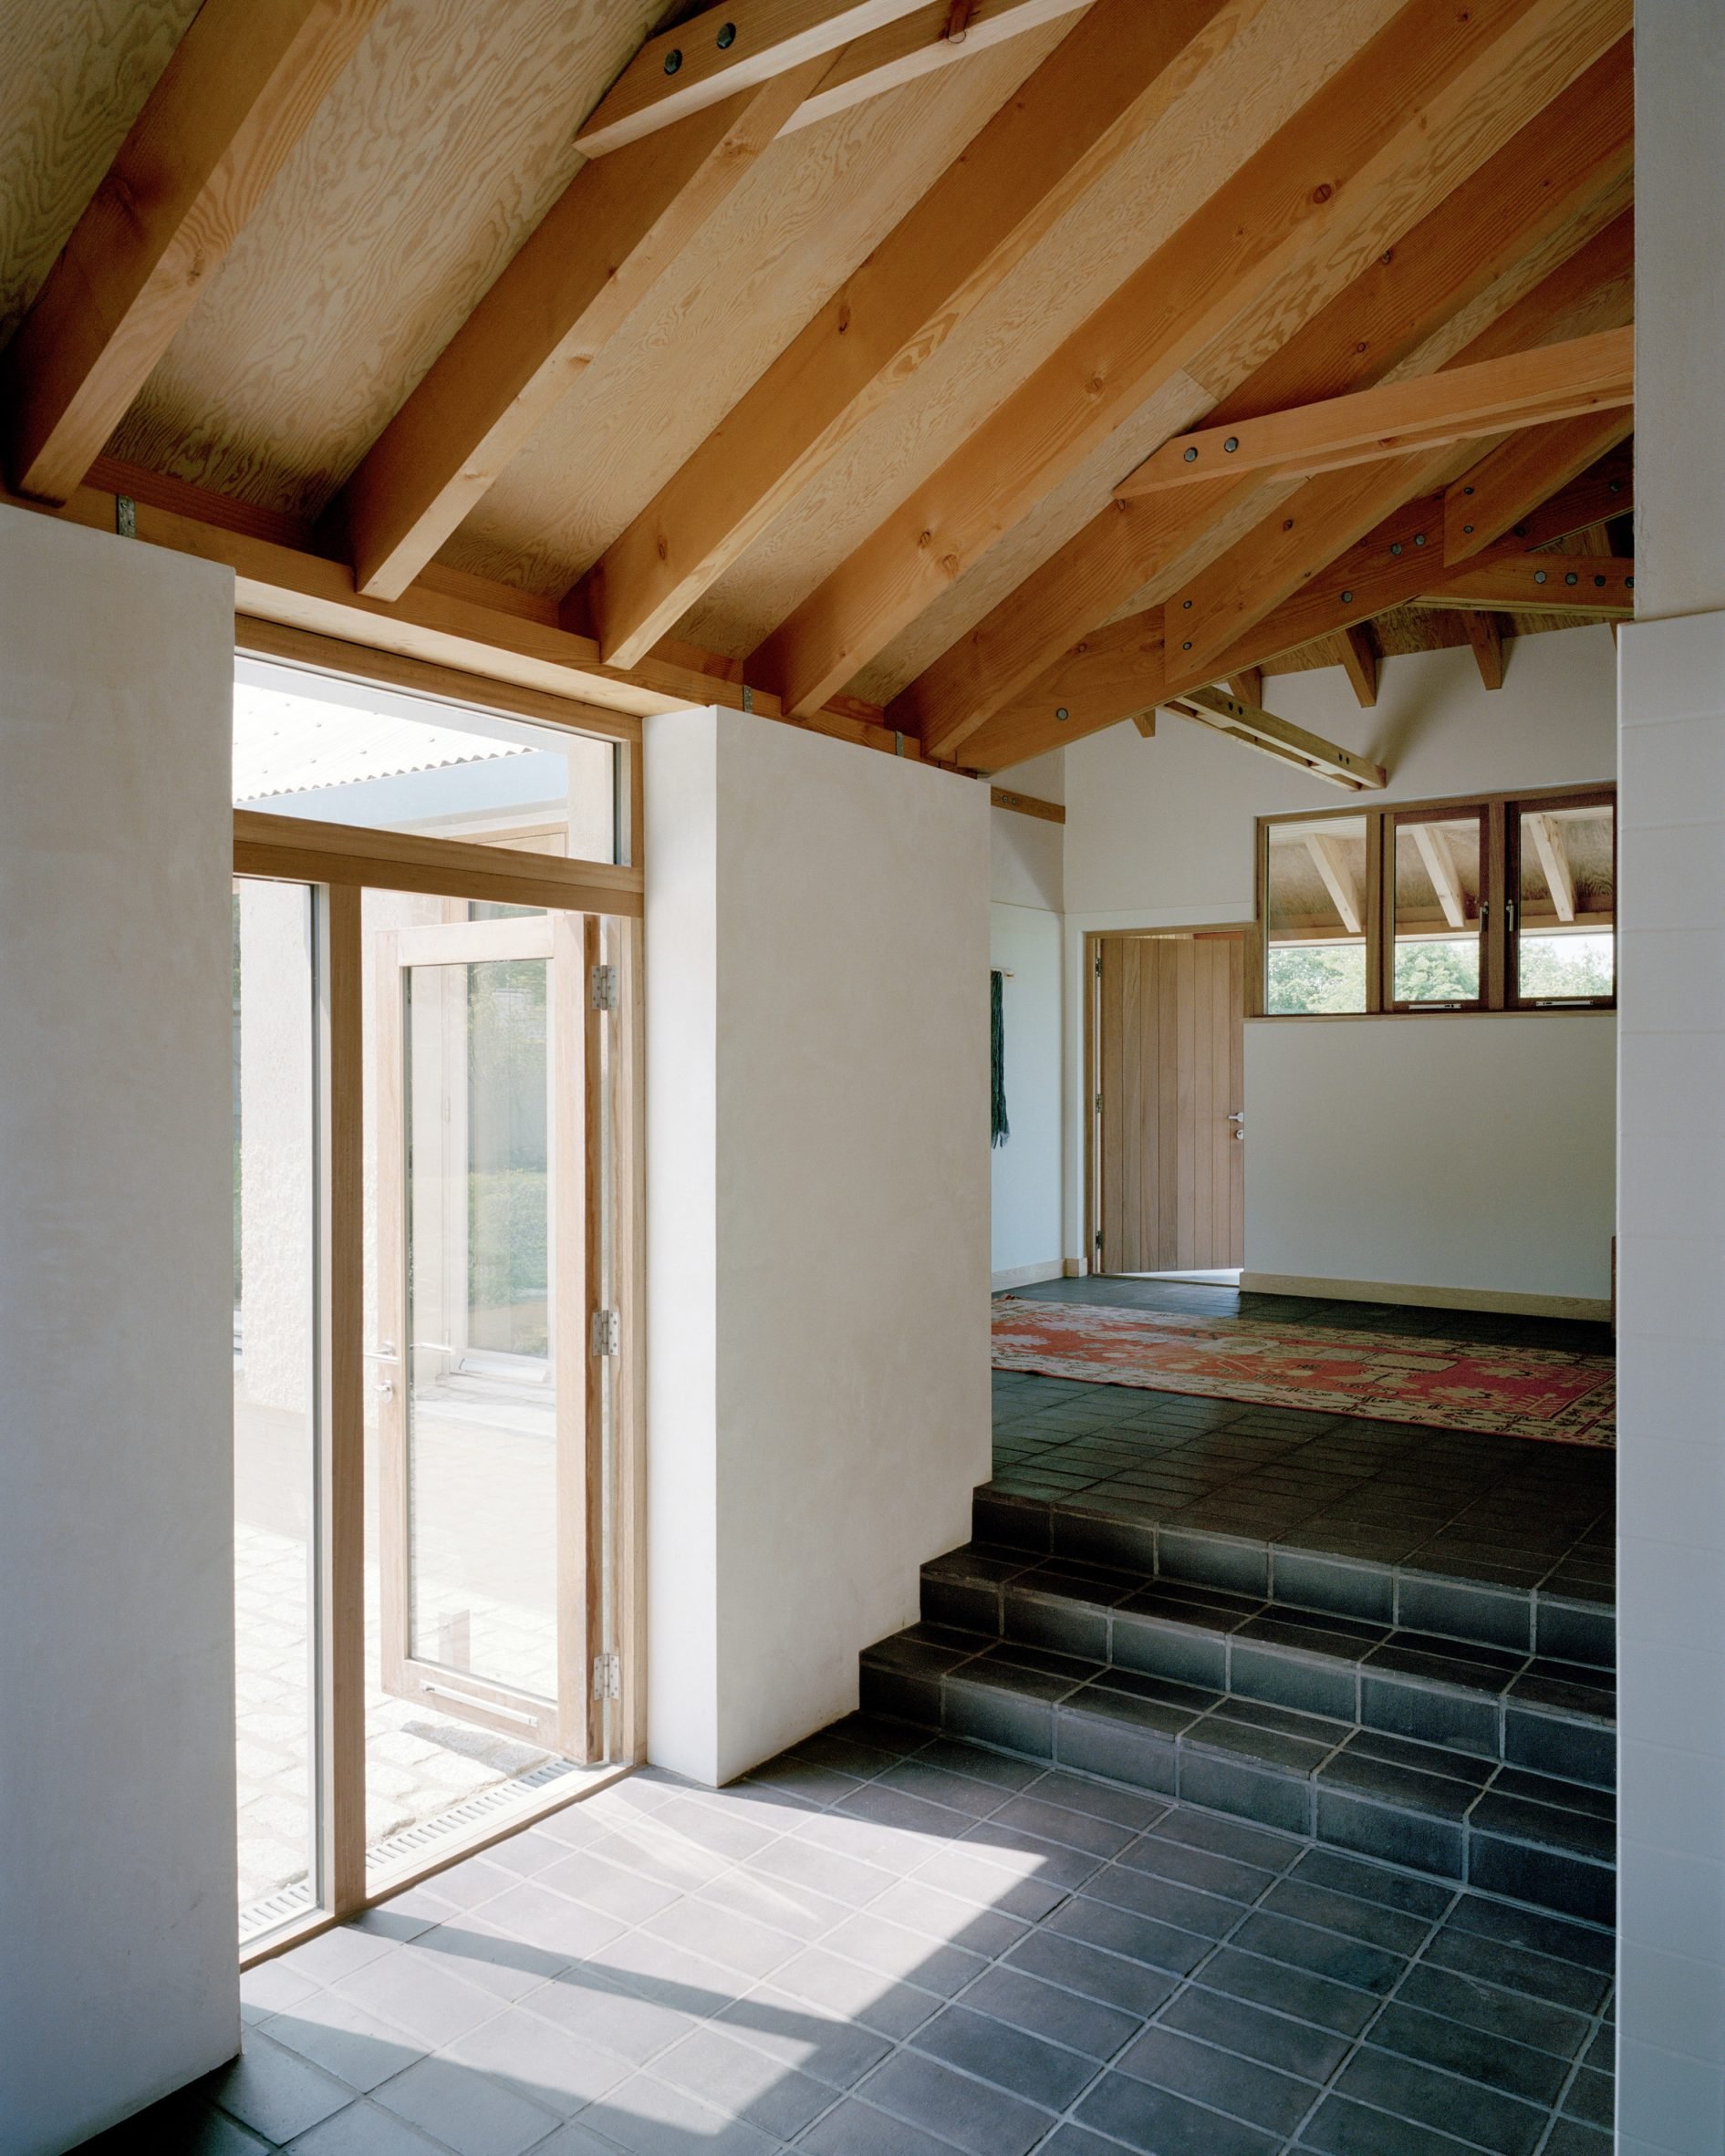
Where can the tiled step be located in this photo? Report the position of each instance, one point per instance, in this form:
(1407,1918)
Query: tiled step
(1496,1827)
(1504,1705)
(1566,1614)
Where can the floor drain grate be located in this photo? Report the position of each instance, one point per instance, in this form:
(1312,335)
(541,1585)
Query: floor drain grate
(401,1849)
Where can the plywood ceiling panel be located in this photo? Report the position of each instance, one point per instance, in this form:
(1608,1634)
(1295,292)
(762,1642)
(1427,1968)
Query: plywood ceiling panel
(1283,49)
(74,75)
(814,207)
(439,151)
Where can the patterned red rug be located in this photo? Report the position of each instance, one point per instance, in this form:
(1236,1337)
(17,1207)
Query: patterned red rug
(1545,1392)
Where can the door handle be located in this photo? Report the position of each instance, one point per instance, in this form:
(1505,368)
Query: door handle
(1238,1116)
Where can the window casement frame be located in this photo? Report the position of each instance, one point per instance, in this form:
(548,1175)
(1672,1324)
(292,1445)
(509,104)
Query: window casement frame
(1499,876)
(1383,933)
(1574,797)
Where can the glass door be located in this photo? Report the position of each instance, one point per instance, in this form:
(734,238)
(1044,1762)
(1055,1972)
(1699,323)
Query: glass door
(488,1272)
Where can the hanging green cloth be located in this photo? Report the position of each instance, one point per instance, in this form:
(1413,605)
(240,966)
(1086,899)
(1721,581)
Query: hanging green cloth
(999,1129)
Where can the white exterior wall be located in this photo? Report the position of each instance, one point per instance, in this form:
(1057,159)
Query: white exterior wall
(119,1971)
(1671,1257)
(1025,942)
(817,1217)
(1161,834)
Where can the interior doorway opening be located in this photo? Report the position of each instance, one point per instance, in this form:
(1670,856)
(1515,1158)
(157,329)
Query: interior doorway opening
(1168,1128)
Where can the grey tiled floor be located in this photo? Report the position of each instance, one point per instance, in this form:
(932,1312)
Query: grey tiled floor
(1498,1510)
(890,1944)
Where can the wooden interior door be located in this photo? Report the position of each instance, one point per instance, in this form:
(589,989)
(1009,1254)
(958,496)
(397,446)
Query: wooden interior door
(490,1399)
(1170,1122)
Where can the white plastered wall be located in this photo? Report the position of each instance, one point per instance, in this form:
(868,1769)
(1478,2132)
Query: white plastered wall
(1024,942)
(119,1972)
(817,1217)
(1671,1255)
(1161,834)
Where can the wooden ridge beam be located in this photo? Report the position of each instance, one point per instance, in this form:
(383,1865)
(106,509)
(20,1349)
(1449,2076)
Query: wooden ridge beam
(235,97)
(1402,560)
(448,619)
(726,49)
(1419,108)
(1216,611)
(1566,172)
(1118,670)
(1485,503)
(592,257)
(1278,737)
(1103,85)
(1538,582)
(1580,376)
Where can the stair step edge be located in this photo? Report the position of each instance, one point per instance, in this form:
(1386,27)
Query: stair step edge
(1579,1627)
(1436,1837)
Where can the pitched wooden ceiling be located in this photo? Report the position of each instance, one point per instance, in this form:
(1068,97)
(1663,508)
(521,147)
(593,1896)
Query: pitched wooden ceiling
(820,354)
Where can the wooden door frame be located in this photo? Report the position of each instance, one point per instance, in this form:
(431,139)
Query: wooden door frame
(567,1722)
(339,862)
(1092,1057)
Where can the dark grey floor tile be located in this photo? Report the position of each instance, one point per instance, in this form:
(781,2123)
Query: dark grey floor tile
(740,2081)
(1537,1930)
(1570,2136)
(1273,2040)
(1494,2011)
(1477,2055)
(858,2129)
(184,2123)
(1371,1882)
(274,2092)
(1190,1907)
(1589,2098)
(1167,2059)
(1538,1976)
(1393,1929)
(967,2113)
(1136,1938)
(1032,1814)
(1262,1982)
(1185,1866)
(1321,1954)
(1466,2109)
(1008,2057)
(1048,2011)
(1110,1979)
(1225,1838)
(1162,2124)
(836,2052)
(1341,2128)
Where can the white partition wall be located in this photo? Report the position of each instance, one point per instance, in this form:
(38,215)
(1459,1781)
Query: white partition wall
(817,1217)
(1671,1093)
(118,1964)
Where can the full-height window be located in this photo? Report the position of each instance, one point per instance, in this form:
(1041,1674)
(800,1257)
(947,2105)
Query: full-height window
(1499,903)
(434,967)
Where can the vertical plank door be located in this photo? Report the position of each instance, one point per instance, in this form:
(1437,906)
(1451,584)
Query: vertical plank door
(1170,1159)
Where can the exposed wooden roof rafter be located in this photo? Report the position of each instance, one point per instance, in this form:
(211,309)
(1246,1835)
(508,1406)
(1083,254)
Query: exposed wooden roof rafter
(236,95)
(1407,120)
(1106,83)
(1564,172)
